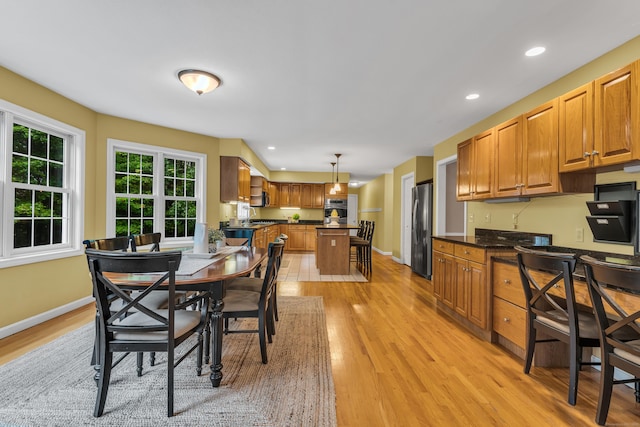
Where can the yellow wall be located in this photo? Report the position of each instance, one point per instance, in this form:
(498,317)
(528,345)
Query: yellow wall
(374,204)
(31,289)
(558,215)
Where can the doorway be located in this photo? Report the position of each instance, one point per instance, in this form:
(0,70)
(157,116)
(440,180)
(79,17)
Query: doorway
(408,182)
(450,214)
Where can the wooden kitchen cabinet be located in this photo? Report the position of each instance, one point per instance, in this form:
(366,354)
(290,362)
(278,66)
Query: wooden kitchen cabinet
(540,153)
(461,283)
(475,167)
(306,199)
(258,186)
(617,117)
(508,165)
(318,196)
(296,240)
(235,180)
(289,195)
(341,194)
(274,195)
(575,127)
(312,196)
(310,237)
(509,308)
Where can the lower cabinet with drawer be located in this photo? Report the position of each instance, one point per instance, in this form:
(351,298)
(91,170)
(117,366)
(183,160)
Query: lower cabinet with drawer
(509,308)
(461,283)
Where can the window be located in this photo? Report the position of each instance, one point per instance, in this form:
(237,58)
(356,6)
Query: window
(154,189)
(41,186)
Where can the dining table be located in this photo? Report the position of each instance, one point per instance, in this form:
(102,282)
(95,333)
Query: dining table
(225,265)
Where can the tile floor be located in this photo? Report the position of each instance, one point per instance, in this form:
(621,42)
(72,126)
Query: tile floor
(302,268)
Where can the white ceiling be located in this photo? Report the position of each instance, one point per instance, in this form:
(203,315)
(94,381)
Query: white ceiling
(379,81)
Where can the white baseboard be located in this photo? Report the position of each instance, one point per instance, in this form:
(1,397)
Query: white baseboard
(380,252)
(43,317)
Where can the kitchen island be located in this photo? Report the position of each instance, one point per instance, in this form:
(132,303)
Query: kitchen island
(333,248)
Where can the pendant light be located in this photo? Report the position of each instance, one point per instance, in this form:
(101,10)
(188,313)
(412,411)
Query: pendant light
(337,187)
(333,189)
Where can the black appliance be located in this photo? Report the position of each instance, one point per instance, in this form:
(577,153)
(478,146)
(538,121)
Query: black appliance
(421,228)
(340,206)
(613,213)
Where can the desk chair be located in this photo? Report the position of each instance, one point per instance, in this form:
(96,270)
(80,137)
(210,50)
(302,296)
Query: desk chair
(145,329)
(615,295)
(554,312)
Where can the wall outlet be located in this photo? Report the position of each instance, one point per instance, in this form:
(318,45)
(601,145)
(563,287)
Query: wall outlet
(579,234)
(470,217)
(487,217)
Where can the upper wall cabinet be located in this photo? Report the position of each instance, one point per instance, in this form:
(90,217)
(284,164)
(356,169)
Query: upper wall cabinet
(235,180)
(508,167)
(617,117)
(540,150)
(575,128)
(475,167)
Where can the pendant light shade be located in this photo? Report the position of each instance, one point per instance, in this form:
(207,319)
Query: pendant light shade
(333,188)
(337,187)
(199,81)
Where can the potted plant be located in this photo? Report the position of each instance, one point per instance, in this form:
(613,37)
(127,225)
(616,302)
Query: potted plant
(295,217)
(216,239)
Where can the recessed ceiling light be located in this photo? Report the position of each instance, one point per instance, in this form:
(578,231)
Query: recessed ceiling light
(283,169)
(535,51)
(473,96)
(271,148)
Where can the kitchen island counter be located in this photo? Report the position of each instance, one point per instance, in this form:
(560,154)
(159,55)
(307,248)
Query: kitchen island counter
(333,246)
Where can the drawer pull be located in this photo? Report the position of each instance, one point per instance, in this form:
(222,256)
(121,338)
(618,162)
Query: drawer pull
(507,320)
(507,281)
(466,252)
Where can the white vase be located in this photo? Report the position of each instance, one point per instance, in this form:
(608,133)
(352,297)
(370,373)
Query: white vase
(219,244)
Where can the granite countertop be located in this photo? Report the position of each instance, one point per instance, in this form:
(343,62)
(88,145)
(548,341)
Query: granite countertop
(268,222)
(339,226)
(488,239)
(579,271)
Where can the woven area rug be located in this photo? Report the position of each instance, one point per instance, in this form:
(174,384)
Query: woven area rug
(301,267)
(53,385)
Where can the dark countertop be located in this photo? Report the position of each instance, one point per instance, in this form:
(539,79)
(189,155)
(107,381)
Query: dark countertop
(337,227)
(579,271)
(261,223)
(489,239)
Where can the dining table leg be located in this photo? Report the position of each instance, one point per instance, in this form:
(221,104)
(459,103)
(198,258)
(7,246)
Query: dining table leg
(216,343)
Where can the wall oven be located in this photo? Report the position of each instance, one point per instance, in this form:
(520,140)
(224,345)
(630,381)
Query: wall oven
(340,206)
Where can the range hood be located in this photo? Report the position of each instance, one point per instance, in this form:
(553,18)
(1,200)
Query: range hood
(613,213)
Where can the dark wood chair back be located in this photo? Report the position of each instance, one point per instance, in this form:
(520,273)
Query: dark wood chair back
(547,281)
(108,244)
(145,328)
(153,239)
(615,295)
(239,236)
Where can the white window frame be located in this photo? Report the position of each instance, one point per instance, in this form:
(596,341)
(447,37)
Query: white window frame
(158,154)
(73,179)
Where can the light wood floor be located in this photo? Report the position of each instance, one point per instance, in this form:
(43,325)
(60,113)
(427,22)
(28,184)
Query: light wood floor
(397,362)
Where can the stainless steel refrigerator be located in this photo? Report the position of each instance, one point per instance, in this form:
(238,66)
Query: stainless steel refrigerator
(421,229)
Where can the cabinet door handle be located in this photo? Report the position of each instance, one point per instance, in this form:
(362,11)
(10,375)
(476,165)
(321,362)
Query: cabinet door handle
(507,281)
(595,152)
(506,320)
(587,154)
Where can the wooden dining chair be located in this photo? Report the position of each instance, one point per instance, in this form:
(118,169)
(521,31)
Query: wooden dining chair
(547,280)
(145,328)
(239,303)
(615,295)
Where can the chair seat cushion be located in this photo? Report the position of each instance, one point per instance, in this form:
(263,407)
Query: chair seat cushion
(626,355)
(245,284)
(558,320)
(184,321)
(155,300)
(238,300)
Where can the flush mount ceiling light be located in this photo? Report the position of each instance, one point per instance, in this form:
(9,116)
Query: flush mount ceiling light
(535,51)
(199,81)
(472,96)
